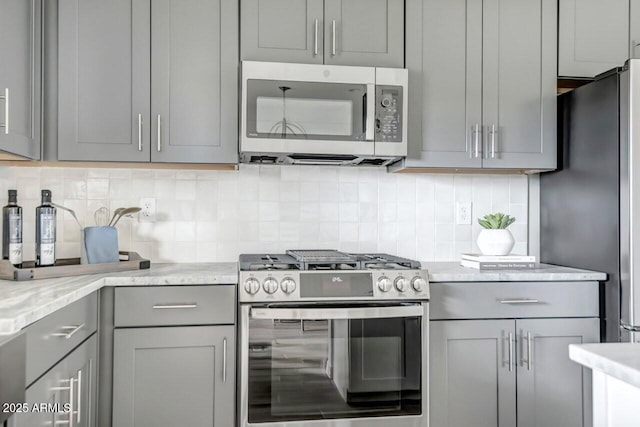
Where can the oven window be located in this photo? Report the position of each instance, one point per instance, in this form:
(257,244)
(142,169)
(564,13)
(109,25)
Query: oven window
(327,369)
(305,110)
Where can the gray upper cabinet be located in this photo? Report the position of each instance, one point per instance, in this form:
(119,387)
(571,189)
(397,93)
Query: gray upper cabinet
(20,53)
(282,30)
(553,391)
(471,381)
(110,53)
(467,62)
(364,32)
(194,72)
(593,36)
(174,376)
(340,32)
(103,80)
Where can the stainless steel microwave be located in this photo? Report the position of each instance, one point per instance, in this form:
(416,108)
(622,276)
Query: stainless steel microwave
(322,114)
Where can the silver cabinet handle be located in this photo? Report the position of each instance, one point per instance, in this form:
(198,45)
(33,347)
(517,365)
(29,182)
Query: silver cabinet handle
(493,133)
(315,38)
(510,338)
(333,38)
(529,351)
(6,111)
(159,133)
(519,301)
(634,46)
(139,132)
(70,388)
(174,306)
(476,140)
(224,360)
(79,393)
(74,330)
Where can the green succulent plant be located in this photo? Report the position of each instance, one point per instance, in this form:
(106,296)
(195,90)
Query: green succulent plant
(496,221)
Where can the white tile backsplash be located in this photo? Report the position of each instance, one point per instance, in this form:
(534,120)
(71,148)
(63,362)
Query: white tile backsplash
(210,216)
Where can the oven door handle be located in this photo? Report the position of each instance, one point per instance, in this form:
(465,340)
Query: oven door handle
(337,313)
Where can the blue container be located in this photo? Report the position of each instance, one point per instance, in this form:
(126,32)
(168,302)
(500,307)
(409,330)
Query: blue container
(101,245)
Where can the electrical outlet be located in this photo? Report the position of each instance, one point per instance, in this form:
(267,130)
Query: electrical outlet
(148,212)
(463,213)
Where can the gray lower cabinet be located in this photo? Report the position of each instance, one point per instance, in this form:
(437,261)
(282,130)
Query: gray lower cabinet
(141,80)
(174,376)
(478,367)
(20,75)
(338,32)
(467,64)
(66,394)
(470,381)
(593,36)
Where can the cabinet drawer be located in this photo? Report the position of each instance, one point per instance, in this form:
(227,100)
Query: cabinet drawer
(175,305)
(482,300)
(53,337)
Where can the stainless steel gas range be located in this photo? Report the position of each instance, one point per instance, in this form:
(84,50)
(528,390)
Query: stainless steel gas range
(332,339)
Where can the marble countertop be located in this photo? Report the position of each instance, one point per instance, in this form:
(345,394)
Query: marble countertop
(618,360)
(454,272)
(22,303)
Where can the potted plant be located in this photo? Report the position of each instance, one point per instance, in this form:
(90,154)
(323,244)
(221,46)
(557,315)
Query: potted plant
(495,239)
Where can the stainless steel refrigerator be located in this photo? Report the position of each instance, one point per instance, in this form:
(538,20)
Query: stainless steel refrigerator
(590,206)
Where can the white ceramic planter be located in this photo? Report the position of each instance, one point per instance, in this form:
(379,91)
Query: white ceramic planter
(495,242)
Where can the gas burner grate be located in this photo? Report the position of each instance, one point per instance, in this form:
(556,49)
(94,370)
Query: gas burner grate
(266,262)
(324,259)
(386,262)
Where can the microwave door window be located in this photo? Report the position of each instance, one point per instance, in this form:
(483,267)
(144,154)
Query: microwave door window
(300,110)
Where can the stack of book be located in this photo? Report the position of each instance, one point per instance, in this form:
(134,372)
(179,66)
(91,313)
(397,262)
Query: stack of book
(498,262)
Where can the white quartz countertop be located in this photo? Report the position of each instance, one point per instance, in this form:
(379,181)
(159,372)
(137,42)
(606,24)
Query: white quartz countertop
(22,303)
(454,272)
(618,360)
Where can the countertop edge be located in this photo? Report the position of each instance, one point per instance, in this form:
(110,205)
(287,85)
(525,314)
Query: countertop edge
(584,355)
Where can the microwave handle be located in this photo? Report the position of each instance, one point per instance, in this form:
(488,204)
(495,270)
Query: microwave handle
(337,313)
(370,112)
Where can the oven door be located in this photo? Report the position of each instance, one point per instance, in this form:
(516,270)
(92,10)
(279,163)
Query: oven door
(356,365)
(307,109)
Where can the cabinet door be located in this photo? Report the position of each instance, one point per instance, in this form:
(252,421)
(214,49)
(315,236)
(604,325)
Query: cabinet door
(593,36)
(519,84)
(47,391)
(282,30)
(553,391)
(444,58)
(364,32)
(194,79)
(472,382)
(174,376)
(20,77)
(81,367)
(103,80)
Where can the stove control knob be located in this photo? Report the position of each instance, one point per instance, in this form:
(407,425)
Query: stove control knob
(251,286)
(384,284)
(418,284)
(270,285)
(401,284)
(288,285)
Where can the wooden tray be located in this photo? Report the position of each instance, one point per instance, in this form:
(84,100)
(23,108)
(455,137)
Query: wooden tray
(71,267)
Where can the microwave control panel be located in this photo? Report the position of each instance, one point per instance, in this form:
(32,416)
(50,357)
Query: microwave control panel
(389,113)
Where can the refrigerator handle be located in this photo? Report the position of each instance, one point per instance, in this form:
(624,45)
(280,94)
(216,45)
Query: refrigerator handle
(629,328)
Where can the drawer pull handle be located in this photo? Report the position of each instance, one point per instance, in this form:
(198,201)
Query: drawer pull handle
(174,306)
(224,360)
(519,301)
(67,335)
